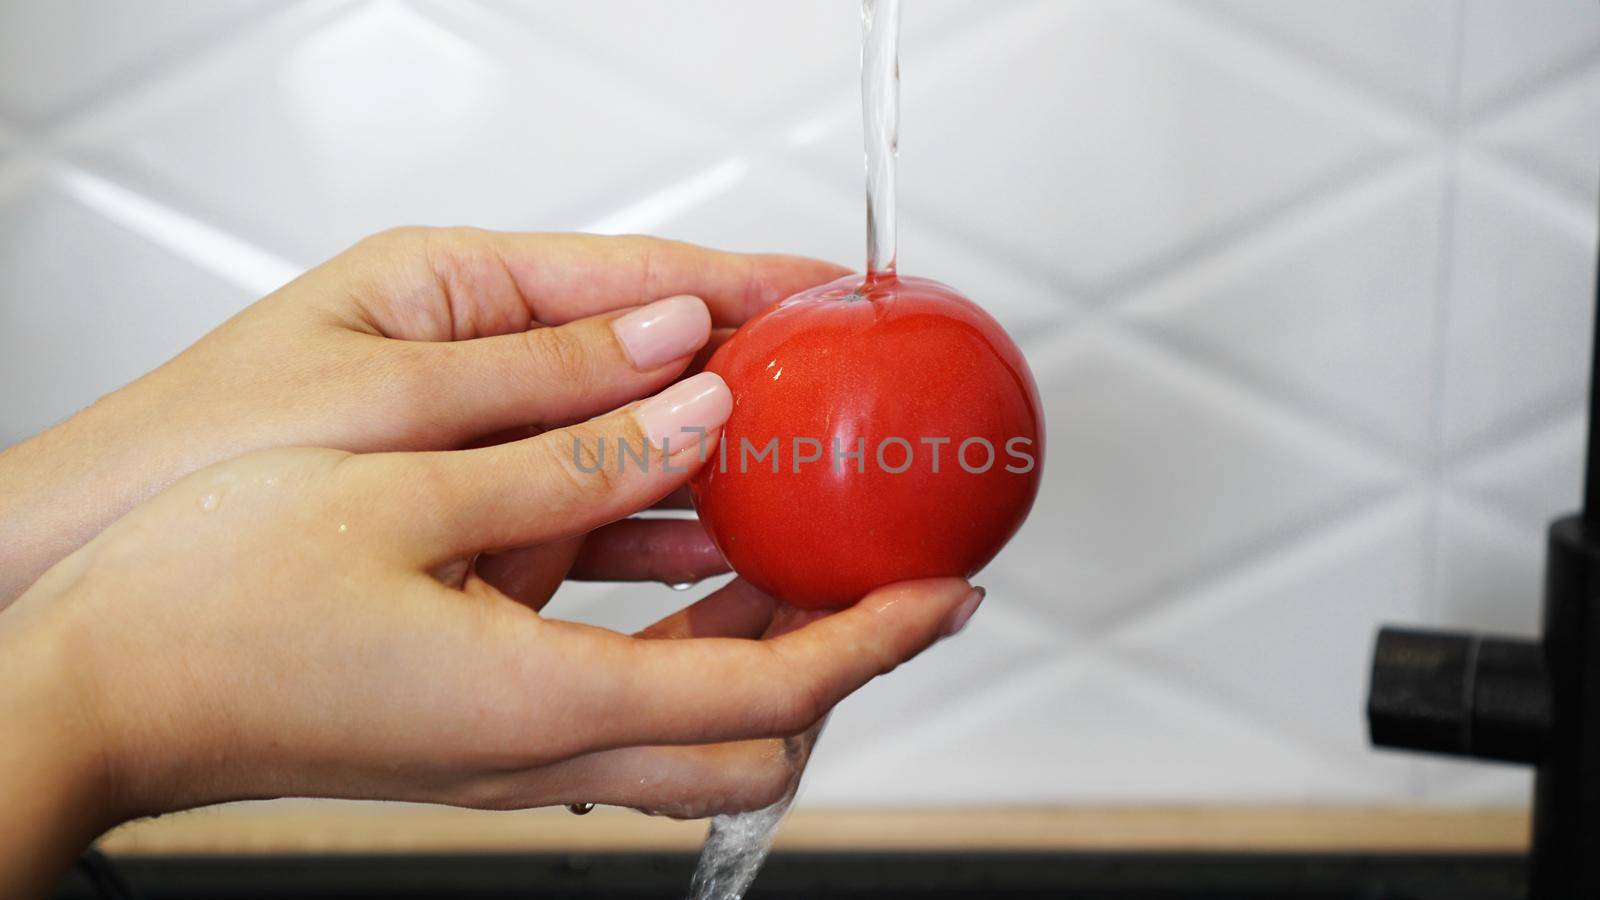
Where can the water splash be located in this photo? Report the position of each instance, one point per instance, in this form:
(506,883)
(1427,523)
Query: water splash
(737,845)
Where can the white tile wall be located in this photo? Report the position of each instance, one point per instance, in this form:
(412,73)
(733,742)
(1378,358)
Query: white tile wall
(1305,286)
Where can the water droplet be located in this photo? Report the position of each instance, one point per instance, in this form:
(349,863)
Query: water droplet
(682,585)
(210,502)
(579,809)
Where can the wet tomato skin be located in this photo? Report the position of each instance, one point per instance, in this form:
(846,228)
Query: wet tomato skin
(882,398)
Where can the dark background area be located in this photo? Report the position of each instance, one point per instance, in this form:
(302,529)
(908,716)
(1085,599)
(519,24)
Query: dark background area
(897,876)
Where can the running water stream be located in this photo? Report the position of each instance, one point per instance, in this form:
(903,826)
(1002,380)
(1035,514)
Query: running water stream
(880,127)
(737,845)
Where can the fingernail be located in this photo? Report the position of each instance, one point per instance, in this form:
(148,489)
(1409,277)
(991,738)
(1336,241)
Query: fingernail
(958,618)
(682,414)
(663,331)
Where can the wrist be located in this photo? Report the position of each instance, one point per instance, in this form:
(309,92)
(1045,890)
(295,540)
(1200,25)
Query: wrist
(61,487)
(59,792)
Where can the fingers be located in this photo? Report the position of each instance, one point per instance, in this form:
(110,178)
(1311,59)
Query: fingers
(556,375)
(501,436)
(442,284)
(680,498)
(671,551)
(568,276)
(529,575)
(682,782)
(559,484)
(537,421)
(706,690)
(738,610)
(719,336)
(788,618)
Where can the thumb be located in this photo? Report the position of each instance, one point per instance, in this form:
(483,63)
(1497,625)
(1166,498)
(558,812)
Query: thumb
(552,375)
(559,484)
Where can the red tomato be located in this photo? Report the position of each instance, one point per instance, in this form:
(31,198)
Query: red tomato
(902,438)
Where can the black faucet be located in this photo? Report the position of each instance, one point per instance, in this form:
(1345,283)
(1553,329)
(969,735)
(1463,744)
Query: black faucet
(1533,701)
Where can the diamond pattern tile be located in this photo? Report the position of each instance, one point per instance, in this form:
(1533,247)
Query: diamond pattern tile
(114,319)
(1083,733)
(1516,342)
(1555,134)
(1489,572)
(1058,123)
(387,114)
(1336,310)
(59,54)
(763,208)
(1510,46)
(1306,615)
(1154,474)
(1535,476)
(19,171)
(750,62)
(1306,288)
(1005,641)
(1399,51)
(1028,303)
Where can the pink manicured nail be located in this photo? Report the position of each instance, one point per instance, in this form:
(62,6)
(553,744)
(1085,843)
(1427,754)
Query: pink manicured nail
(958,619)
(663,331)
(683,413)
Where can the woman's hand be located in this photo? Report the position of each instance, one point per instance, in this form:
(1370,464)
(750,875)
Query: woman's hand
(311,622)
(416,339)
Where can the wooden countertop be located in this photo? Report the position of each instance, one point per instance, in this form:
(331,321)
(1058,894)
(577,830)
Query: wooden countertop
(342,827)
